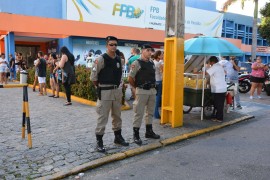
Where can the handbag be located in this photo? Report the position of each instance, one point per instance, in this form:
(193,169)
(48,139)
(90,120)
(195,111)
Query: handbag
(58,76)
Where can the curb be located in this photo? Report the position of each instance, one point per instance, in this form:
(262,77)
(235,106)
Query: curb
(133,152)
(83,101)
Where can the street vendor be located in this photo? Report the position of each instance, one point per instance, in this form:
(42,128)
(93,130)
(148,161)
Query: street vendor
(218,87)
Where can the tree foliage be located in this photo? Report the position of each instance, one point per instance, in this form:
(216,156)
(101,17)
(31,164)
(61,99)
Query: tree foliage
(254,26)
(264,27)
(229,2)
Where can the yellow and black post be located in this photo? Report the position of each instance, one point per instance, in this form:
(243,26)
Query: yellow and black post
(26,117)
(25,110)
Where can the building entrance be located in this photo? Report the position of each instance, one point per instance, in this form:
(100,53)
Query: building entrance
(29,53)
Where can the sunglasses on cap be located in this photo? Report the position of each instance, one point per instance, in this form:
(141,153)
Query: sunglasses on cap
(112,44)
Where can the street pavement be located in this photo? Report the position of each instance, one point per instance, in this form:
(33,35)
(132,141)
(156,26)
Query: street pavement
(239,152)
(64,136)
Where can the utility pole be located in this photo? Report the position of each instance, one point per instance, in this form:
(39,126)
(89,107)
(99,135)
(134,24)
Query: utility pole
(175,18)
(254,31)
(173,73)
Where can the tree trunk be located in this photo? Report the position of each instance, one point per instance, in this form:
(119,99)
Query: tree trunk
(254,32)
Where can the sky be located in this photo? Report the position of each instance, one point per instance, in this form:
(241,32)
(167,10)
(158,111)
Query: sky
(236,7)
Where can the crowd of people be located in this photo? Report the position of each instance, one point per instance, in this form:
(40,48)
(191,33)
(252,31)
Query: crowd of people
(61,69)
(10,67)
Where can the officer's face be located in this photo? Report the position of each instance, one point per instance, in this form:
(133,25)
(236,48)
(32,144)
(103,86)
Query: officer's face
(146,53)
(112,45)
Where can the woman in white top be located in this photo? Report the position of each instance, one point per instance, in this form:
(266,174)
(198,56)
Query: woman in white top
(158,56)
(3,66)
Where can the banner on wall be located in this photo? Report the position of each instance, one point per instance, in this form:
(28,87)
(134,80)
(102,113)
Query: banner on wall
(142,14)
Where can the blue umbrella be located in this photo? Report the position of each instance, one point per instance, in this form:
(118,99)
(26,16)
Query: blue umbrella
(210,46)
(204,45)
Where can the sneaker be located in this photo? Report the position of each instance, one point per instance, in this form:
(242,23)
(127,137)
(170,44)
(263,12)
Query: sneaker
(259,97)
(239,107)
(250,97)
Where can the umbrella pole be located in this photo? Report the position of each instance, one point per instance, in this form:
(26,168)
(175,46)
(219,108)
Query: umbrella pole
(204,63)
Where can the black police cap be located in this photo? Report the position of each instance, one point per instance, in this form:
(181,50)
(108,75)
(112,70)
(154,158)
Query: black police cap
(146,46)
(111,38)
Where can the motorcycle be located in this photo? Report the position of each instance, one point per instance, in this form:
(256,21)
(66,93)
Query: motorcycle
(266,84)
(244,83)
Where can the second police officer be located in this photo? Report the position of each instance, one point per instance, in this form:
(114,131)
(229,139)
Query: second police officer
(142,77)
(106,75)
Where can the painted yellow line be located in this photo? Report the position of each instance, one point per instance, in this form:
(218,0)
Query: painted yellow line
(202,131)
(173,140)
(140,150)
(14,85)
(86,166)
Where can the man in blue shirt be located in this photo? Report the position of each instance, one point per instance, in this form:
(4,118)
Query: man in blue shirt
(232,69)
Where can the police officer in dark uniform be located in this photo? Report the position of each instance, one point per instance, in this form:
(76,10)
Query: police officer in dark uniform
(142,77)
(106,75)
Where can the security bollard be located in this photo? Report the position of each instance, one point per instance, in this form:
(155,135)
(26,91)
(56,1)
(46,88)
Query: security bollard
(25,110)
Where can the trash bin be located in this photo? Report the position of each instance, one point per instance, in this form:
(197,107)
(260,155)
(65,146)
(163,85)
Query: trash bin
(23,77)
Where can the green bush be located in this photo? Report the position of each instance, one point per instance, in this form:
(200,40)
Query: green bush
(83,87)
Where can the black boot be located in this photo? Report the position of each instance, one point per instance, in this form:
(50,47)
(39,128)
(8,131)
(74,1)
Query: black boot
(119,138)
(150,133)
(136,136)
(100,147)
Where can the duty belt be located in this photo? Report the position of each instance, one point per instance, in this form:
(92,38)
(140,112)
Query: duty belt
(147,86)
(109,87)
(99,89)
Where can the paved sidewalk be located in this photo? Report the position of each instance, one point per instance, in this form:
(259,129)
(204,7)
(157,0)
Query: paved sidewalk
(63,137)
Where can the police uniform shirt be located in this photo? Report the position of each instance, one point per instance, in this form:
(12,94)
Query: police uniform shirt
(135,67)
(105,94)
(97,66)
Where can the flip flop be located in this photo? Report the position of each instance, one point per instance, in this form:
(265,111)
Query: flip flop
(217,120)
(55,96)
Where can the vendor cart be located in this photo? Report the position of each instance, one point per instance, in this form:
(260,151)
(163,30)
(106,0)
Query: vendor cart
(193,91)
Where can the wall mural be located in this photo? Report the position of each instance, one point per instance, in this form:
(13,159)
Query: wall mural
(86,54)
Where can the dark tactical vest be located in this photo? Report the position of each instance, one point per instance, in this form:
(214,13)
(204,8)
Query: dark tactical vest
(146,74)
(112,71)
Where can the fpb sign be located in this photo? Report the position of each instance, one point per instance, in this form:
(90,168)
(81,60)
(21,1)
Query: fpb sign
(127,10)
